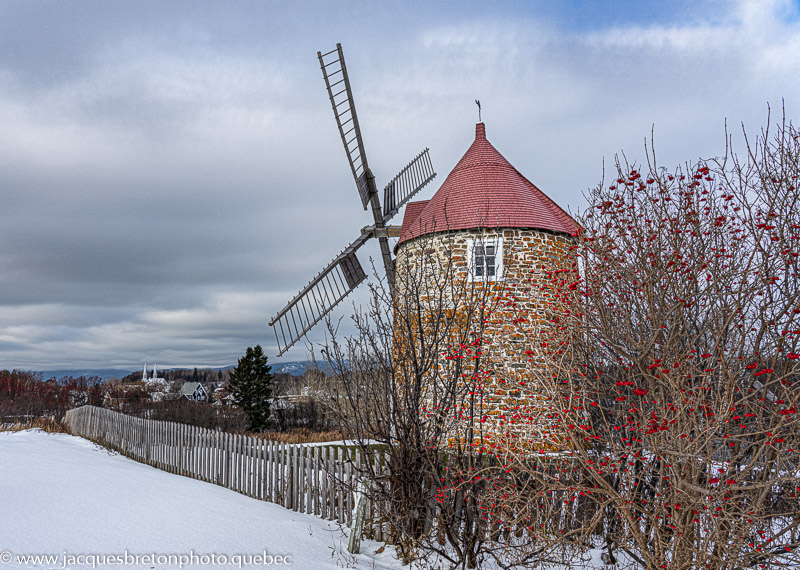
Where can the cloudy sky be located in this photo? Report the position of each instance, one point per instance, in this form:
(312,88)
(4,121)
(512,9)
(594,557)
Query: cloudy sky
(171,173)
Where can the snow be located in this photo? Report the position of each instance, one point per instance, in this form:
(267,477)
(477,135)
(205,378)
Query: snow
(65,496)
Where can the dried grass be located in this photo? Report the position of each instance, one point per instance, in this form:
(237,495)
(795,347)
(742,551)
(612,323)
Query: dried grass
(301,435)
(48,424)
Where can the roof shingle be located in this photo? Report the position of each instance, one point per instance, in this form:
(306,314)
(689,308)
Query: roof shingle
(484,191)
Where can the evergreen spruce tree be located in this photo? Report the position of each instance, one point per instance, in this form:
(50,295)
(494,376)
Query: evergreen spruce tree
(251,387)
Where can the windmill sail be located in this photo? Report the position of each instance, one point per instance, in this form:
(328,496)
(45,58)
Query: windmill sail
(319,297)
(338,84)
(408,182)
(345,273)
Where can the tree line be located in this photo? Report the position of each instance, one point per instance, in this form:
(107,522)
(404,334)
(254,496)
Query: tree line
(24,395)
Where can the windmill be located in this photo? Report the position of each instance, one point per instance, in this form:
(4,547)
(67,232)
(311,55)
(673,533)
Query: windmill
(345,272)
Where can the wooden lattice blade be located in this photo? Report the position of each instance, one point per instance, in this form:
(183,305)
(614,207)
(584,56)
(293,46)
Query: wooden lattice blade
(319,297)
(406,184)
(334,71)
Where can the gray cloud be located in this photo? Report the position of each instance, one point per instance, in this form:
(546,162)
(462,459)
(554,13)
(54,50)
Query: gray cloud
(171,174)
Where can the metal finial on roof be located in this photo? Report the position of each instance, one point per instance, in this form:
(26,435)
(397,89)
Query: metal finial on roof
(478,103)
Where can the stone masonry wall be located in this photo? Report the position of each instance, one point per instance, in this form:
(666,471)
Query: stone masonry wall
(506,314)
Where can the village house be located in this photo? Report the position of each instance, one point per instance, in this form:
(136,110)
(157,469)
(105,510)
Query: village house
(194,391)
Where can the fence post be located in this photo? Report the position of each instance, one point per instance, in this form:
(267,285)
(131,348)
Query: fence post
(349,486)
(281,479)
(339,481)
(359,512)
(311,485)
(301,452)
(227,456)
(235,461)
(270,469)
(315,475)
(272,466)
(204,466)
(251,466)
(291,479)
(324,483)
(181,449)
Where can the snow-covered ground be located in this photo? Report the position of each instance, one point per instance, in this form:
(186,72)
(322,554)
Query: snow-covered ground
(65,497)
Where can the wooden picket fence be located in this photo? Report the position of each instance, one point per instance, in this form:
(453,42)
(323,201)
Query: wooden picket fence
(318,480)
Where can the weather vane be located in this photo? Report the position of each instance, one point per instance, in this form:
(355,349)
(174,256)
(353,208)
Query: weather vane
(478,103)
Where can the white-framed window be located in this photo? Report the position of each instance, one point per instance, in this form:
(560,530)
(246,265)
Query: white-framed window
(485,259)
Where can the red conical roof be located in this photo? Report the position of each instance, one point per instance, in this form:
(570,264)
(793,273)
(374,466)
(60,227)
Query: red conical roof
(484,191)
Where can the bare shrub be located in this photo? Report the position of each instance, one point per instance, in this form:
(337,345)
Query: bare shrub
(673,371)
(25,396)
(200,414)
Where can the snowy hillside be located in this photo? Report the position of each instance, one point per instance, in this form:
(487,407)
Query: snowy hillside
(64,496)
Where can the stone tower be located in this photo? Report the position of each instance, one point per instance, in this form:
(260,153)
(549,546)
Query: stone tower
(491,231)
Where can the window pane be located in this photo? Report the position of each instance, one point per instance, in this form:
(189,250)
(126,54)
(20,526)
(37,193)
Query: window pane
(484,259)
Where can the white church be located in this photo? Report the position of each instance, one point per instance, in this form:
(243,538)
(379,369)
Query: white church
(155,380)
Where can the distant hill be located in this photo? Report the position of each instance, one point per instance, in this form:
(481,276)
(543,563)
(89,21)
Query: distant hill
(293,368)
(299,368)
